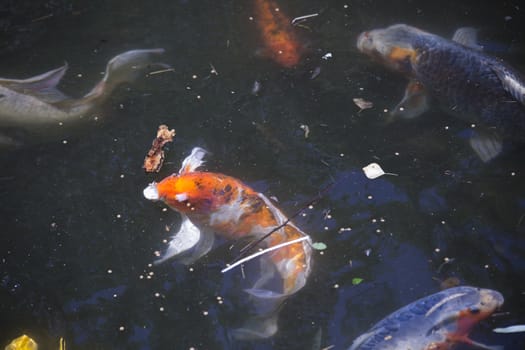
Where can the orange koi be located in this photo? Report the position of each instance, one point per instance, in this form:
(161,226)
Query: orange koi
(213,203)
(280,40)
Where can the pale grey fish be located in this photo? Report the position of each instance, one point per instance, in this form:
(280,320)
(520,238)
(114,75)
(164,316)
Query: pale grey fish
(33,110)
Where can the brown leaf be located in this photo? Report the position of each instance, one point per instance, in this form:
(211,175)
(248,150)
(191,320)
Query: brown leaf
(155,157)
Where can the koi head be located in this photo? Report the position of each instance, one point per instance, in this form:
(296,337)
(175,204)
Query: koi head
(194,192)
(180,192)
(461,312)
(392,46)
(488,302)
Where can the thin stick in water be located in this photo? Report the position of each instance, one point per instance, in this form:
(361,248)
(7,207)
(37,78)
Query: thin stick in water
(250,257)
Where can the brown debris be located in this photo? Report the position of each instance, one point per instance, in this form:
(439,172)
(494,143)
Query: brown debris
(155,157)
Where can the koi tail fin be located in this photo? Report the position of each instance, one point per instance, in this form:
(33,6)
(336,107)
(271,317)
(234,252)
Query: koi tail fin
(125,68)
(266,305)
(263,324)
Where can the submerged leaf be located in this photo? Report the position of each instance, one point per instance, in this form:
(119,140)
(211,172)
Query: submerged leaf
(362,103)
(356,281)
(374,170)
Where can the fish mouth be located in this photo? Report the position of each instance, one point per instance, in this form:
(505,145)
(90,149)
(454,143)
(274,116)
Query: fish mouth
(364,42)
(151,192)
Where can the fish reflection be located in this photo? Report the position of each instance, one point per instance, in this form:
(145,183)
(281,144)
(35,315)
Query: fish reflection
(463,80)
(437,322)
(281,43)
(33,109)
(215,203)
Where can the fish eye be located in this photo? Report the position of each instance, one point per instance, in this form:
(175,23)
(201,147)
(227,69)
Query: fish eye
(475,310)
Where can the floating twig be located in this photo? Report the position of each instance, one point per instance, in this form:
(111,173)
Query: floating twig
(302,18)
(267,250)
(162,71)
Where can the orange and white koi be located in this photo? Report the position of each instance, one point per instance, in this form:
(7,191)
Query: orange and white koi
(281,42)
(215,203)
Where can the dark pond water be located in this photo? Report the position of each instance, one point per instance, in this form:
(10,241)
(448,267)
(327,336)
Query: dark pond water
(77,236)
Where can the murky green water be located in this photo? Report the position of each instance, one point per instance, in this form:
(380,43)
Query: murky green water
(78,236)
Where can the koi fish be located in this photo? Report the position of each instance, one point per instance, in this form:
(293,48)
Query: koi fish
(215,203)
(463,80)
(34,109)
(437,322)
(280,40)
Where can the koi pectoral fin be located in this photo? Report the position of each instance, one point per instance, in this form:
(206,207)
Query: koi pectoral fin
(486,347)
(467,340)
(201,248)
(486,145)
(413,104)
(257,328)
(186,238)
(264,293)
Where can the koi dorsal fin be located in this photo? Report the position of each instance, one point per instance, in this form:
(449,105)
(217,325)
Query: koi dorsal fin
(42,86)
(193,161)
(468,37)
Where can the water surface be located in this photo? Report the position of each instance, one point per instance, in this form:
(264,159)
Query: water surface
(78,236)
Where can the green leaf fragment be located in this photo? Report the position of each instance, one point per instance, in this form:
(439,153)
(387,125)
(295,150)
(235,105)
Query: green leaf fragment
(356,281)
(319,246)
